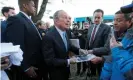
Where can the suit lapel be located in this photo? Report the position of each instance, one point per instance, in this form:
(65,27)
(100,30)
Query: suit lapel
(98,31)
(59,39)
(89,33)
(29,25)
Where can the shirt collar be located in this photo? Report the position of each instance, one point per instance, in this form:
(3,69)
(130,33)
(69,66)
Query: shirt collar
(97,25)
(25,14)
(59,30)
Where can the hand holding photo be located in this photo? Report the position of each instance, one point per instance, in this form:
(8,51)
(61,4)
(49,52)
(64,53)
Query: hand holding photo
(83,58)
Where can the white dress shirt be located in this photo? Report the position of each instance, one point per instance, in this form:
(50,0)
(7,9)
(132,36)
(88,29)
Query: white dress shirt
(25,14)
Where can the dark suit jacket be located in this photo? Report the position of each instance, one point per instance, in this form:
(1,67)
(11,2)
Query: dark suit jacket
(3,27)
(42,32)
(20,31)
(100,45)
(55,54)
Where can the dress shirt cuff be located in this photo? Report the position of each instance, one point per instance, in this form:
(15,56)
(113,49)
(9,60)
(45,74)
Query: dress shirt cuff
(68,62)
(26,69)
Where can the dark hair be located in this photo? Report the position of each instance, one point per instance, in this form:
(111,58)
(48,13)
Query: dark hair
(99,10)
(21,2)
(126,15)
(6,9)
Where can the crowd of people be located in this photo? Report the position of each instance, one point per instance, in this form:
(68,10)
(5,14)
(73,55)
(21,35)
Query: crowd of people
(48,52)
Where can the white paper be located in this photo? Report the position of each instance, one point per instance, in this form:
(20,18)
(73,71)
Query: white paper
(4,75)
(83,58)
(14,53)
(8,49)
(75,42)
(15,56)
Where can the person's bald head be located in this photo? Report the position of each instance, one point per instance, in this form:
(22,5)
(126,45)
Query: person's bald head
(62,20)
(27,6)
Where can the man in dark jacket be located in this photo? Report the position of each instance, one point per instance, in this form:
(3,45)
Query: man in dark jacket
(7,12)
(97,40)
(22,31)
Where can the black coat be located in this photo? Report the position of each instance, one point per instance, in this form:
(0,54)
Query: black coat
(21,31)
(56,56)
(100,45)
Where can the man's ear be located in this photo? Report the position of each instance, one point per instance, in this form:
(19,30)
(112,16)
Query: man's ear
(130,23)
(39,26)
(5,14)
(102,20)
(25,6)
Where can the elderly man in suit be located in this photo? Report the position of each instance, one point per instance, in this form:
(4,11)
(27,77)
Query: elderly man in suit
(56,46)
(97,42)
(22,31)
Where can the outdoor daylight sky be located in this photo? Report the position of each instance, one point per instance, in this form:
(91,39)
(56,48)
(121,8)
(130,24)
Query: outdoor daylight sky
(77,8)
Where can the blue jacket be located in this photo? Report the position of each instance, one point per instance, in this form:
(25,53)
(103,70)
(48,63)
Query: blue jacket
(120,67)
(3,27)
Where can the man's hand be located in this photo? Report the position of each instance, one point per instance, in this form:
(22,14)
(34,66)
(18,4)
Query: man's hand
(82,52)
(114,43)
(96,60)
(73,60)
(90,51)
(31,72)
(4,63)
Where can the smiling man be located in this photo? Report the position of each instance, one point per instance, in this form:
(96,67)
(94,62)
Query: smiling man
(120,65)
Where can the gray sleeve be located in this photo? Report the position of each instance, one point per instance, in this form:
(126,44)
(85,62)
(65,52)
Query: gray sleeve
(107,58)
(129,75)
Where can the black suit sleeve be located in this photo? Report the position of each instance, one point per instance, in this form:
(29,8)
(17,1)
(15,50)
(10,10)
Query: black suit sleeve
(104,50)
(50,55)
(15,33)
(74,49)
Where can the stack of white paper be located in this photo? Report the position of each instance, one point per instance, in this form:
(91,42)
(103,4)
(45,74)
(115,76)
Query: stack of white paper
(14,53)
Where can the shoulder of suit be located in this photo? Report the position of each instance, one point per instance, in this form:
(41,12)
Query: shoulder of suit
(50,32)
(105,25)
(48,36)
(13,18)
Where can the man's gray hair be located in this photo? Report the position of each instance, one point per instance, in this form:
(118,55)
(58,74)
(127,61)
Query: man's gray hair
(56,14)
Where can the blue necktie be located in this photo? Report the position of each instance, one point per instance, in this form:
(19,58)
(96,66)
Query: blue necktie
(65,40)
